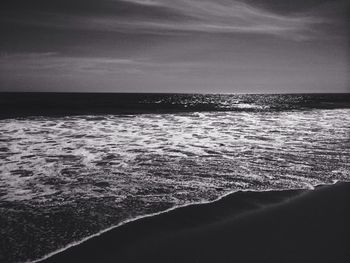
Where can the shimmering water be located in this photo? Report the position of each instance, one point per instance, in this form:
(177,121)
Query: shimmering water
(65,178)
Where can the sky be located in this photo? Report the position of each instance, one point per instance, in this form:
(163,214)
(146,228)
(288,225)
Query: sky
(185,46)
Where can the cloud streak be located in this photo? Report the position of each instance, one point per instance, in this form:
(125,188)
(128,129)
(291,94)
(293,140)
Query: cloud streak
(41,62)
(164,17)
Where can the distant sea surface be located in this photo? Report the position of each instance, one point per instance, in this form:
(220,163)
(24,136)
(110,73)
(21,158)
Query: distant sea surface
(72,165)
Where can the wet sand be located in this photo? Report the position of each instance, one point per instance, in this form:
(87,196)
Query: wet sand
(274,226)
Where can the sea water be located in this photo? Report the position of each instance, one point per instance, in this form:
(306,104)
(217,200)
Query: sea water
(64,178)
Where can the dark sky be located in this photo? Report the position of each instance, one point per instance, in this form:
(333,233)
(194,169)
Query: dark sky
(220,46)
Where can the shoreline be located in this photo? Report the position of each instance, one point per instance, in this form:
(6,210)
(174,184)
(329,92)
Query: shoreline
(162,225)
(136,219)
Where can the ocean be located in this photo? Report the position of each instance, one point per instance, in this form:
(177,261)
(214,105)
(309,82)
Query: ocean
(73,165)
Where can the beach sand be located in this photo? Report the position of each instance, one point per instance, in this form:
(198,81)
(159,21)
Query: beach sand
(272,226)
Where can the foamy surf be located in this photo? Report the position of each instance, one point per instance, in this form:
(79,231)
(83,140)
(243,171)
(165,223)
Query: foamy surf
(90,173)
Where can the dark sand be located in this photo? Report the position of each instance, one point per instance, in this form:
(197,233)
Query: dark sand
(289,226)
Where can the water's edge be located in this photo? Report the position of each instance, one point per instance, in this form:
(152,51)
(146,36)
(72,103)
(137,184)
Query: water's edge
(76,243)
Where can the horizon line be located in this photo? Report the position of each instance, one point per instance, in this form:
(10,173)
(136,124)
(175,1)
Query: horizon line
(170,93)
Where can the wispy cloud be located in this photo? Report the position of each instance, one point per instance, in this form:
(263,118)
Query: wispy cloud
(48,61)
(171,17)
(219,16)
